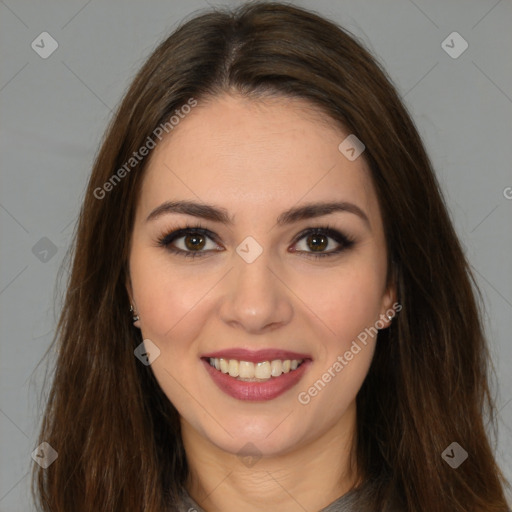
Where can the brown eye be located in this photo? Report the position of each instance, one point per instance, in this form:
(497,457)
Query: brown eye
(189,241)
(194,241)
(317,242)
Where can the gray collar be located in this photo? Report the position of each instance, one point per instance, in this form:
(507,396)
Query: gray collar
(349,502)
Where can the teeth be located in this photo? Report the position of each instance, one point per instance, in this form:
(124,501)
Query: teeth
(248,371)
(223,363)
(276,368)
(233,368)
(262,370)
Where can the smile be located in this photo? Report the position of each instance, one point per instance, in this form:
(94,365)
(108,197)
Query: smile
(248,371)
(259,380)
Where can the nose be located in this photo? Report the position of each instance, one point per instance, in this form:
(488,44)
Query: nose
(255,296)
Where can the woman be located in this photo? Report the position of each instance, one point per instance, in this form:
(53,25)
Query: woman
(268,306)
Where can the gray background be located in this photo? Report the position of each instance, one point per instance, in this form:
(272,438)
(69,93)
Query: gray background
(54,112)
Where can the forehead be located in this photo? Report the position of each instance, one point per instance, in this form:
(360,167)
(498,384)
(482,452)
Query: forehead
(255,156)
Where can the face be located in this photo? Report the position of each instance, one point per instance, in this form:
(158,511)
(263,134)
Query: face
(258,278)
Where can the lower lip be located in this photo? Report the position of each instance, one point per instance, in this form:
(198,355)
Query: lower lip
(256,391)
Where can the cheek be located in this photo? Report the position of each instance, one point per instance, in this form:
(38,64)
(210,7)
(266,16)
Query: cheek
(160,295)
(346,302)
(172,300)
(349,306)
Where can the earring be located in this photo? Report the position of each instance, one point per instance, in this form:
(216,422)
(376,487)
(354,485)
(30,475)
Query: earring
(390,317)
(135,316)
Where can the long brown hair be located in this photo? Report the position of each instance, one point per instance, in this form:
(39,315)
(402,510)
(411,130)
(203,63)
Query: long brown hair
(116,433)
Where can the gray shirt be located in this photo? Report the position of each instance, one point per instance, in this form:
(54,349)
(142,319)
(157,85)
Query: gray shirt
(352,501)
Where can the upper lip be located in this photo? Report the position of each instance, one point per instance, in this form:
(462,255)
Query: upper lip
(255,356)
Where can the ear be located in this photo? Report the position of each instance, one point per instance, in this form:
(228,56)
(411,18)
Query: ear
(129,291)
(390,306)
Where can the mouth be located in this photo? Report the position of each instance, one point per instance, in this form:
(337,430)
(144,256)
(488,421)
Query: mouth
(247,371)
(256,376)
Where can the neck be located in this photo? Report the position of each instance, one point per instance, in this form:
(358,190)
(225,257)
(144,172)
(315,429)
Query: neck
(309,477)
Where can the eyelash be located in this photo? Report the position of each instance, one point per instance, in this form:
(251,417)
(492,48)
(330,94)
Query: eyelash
(165,240)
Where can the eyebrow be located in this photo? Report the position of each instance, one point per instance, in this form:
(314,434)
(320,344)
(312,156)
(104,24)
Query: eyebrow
(216,214)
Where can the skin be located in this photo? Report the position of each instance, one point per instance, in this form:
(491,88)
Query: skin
(257,159)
